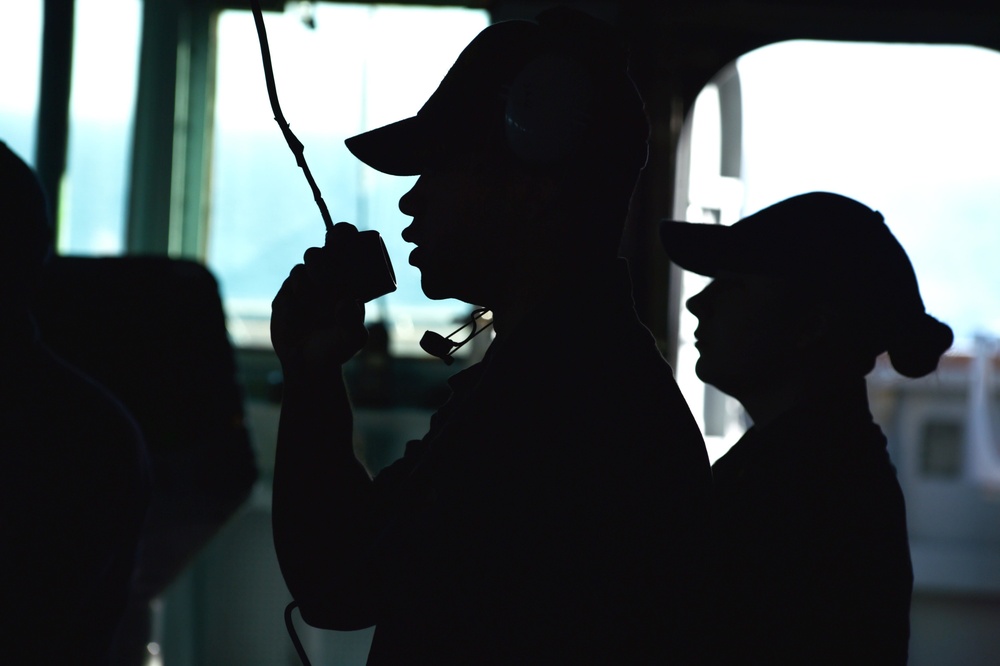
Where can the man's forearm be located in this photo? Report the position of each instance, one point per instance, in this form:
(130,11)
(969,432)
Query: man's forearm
(322,501)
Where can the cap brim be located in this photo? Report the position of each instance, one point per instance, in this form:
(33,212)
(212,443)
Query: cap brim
(402,148)
(701,248)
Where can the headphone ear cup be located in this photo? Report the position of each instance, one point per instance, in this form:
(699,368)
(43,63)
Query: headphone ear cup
(548,109)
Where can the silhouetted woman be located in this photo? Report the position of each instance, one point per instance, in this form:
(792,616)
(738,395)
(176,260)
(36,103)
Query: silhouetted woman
(813,563)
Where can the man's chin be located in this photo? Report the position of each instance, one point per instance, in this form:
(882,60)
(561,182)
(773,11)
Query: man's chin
(706,372)
(436,291)
(449,285)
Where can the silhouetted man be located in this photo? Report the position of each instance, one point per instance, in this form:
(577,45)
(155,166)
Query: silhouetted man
(556,510)
(813,559)
(73,486)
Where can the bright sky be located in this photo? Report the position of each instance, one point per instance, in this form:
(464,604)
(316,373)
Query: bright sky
(21,25)
(104,49)
(105,53)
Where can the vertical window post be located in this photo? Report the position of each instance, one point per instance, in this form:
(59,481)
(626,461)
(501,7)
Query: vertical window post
(167,194)
(53,107)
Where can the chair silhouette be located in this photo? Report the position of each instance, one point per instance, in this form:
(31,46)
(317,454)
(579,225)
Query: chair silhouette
(152,330)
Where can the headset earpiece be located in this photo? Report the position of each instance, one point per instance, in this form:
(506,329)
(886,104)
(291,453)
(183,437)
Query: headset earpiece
(549,109)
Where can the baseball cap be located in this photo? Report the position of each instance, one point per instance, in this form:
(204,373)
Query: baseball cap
(820,238)
(834,247)
(551,90)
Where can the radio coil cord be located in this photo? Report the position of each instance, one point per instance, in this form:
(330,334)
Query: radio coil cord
(299,151)
(294,636)
(272,94)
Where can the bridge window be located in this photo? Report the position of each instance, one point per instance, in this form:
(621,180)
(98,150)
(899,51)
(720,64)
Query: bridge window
(94,196)
(339,70)
(20,43)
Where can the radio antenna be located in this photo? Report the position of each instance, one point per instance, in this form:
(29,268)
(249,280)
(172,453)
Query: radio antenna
(272,94)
